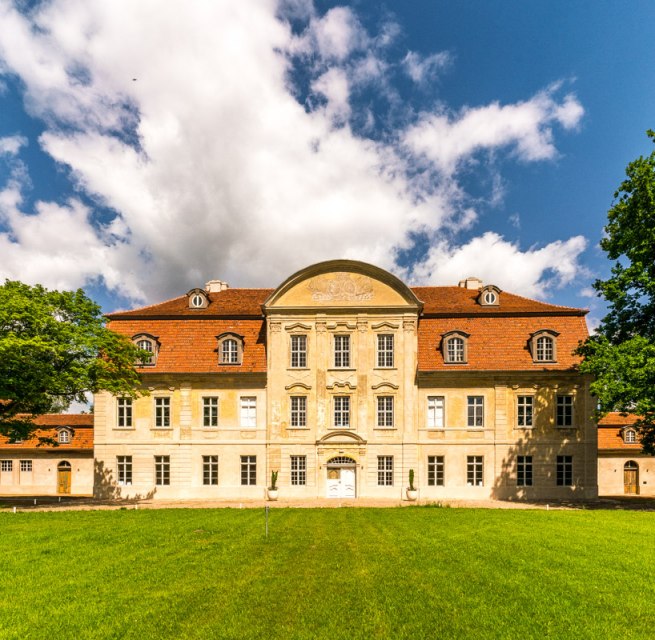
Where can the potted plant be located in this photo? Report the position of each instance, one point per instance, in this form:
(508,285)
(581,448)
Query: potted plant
(412,492)
(272,490)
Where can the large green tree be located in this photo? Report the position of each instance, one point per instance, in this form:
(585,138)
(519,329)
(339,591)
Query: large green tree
(54,348)
(622,356)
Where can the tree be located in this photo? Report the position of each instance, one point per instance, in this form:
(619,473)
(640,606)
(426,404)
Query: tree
(54,348)
(622,355)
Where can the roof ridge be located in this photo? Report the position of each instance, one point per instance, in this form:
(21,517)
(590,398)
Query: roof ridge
(147,306)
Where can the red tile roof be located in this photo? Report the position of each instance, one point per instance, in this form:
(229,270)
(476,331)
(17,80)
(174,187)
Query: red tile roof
(498,334)
(610,432)
(81,425)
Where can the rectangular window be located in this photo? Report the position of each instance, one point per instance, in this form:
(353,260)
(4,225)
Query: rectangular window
(210,470)
(564,411)
(298,411)
(162,412)
(298,470)
(299,351)
(564,471)
(475,411)
(248,470)
(385,411)
(342,411)
(162,470)
(474,471)
(436,413)
(248,411)
(124,470)
(124,412)
(385,350)
(524,471)
(524,406)
(385,471)
(6,465)
(210,411)
(26,466)
(342,351)
(435,471)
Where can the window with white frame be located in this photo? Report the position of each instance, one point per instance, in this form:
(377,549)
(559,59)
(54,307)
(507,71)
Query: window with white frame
(229,351)
(298,411)
(210,411)
(298,470)
(149,345)
(342,351)
(341,411)
(210,470)
(385,411)
(564,411)
(564,471)
(124,470)
(162,412)
(162,470)
(524,471)
(299,352)
(454,347)
(385,471)
(6,465)
(249,411)
(26,466)
(124,410)
(474,471)
(475,411)
(436,471)
(543,345)
(630,436)
(64,436)
(248,470)
(436,412)
(524,410)
(385,350)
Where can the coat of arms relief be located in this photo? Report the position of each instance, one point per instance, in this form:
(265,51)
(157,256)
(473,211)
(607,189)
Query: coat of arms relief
(343,287)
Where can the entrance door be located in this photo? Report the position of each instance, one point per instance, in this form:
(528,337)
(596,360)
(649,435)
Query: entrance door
(341,482)
(64,477)
(631,478)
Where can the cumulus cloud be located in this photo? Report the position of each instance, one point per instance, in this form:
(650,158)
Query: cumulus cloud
(186,121)
(423,69)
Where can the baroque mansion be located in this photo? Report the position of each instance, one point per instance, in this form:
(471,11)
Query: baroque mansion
(343,379)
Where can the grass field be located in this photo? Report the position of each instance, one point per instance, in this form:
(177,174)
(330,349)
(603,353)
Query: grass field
(327,573)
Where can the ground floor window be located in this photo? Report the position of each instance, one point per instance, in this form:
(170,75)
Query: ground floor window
(524,471)
(474,471)
(124,469)
(385,471)
(248,470)
(210,470)
(162,470)
(298,470)
(564,471)
(6,465)
(435,471)
(26,466)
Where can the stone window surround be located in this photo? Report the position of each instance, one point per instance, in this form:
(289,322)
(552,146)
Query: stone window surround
(224,337)
(446,338)
(140,339)
(543,333)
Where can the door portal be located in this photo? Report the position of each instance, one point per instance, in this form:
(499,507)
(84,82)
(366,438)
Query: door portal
(341,478)
(64,477)
(631,478)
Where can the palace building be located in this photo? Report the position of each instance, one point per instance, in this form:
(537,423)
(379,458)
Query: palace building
(343,379)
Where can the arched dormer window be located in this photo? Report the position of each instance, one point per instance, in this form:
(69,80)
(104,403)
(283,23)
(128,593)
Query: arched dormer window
(149,344)
(197,299)
(629,436)
(64,436)
(489,296)
(543,345)
(454,346)
(230,348)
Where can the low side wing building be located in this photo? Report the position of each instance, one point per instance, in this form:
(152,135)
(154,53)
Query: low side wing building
(343,379)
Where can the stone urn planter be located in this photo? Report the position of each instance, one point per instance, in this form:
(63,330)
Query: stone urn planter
(271,492)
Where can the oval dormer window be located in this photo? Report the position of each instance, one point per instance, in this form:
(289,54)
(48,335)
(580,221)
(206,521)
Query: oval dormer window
(197,301)
(490,297)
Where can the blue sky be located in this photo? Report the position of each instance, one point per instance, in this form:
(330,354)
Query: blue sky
(148,147)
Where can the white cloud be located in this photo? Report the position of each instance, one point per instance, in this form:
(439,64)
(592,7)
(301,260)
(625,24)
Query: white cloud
(425,68)
(11,145)
(233,177)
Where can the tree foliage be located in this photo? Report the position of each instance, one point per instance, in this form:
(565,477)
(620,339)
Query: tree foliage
(622,355)
(54,348)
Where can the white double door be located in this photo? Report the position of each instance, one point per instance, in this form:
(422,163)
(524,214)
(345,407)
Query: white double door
(341,483)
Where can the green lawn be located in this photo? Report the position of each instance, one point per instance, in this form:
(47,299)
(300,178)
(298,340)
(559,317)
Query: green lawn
(327,573)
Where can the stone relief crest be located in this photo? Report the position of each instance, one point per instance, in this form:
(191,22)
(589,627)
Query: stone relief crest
(342,288)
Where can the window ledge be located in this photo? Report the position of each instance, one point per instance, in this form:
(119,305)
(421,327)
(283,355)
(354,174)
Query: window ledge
(298,429)
(124,428)
(475,428)
(385,368)
(385,428)
(298,368)
(161,428)
(342,369)
(455,363)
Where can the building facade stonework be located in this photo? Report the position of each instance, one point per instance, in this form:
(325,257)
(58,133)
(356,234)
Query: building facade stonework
(343,379)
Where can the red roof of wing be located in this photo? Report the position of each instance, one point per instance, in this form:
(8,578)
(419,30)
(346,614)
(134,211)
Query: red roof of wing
(499,343)
(616,419)
(610,432)
(81,425)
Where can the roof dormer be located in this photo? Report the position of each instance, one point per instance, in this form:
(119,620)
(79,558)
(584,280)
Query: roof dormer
(489,296)
(197,299)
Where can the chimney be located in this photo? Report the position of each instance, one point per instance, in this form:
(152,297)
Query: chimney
(471,283)
(213,286)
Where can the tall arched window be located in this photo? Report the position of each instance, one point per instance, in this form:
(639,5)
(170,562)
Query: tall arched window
(543,345)
(454,347)
(149,344)
(230,348)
